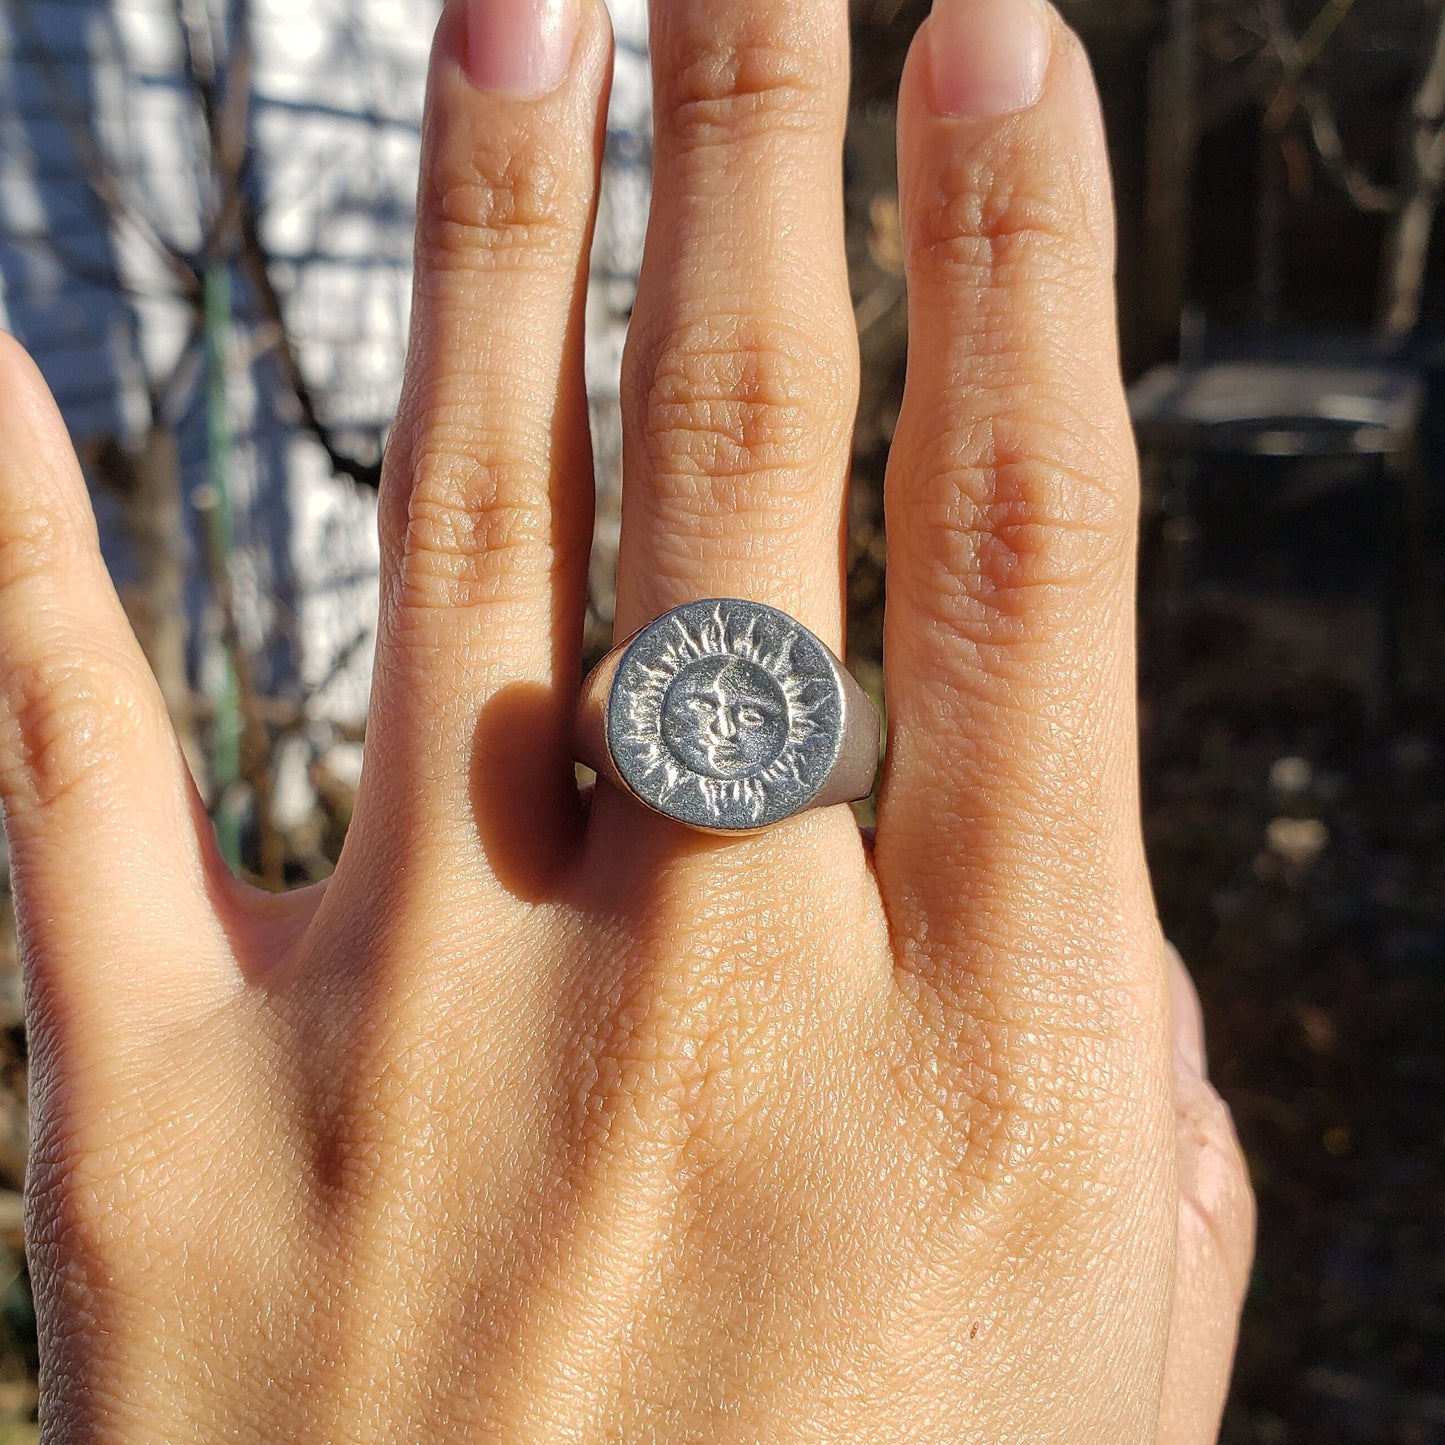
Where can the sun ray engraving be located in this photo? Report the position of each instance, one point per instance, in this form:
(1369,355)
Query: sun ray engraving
(719,710)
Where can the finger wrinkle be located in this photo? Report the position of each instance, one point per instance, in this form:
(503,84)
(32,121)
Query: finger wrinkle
(460,556)
(1003,579)
(36,544)
(1040,184)
(736,88)
(71,721)
(1002,198)
(494,206)
(741,400)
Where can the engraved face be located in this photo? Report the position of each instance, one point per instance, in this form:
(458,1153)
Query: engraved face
(725,714)
(725,717)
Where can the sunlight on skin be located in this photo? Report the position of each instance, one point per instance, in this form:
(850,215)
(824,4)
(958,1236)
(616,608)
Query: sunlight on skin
(541,1122)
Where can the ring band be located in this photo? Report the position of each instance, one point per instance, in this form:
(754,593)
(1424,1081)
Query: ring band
(728,716)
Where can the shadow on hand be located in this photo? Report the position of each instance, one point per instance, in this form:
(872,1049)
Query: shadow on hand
(524,790)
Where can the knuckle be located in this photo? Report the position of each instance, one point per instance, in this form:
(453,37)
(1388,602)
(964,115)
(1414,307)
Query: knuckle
(475,522)
(1021,517)
(33,542)
(1217,1207)
(72,720)
(991,220)
(720,90)
(738,416)
(488,201)
(1035,1101)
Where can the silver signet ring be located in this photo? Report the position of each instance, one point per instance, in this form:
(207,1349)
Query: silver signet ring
(728,716)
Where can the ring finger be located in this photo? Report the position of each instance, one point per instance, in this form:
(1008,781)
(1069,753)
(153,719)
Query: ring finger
(741,371)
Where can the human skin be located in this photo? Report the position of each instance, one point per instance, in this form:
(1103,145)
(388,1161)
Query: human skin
(545,1119)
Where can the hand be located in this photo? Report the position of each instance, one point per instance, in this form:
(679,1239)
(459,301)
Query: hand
(550,1121)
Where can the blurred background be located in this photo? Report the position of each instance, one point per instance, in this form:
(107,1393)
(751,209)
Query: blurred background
(205,229)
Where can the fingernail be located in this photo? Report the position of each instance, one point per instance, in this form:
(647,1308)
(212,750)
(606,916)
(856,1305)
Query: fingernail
(989,56)
(520,48)
(1188,1019)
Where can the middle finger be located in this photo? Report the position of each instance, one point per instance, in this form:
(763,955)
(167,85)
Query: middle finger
(740,379)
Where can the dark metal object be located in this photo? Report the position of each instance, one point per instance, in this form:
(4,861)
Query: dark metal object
(728,716)
(1283,481)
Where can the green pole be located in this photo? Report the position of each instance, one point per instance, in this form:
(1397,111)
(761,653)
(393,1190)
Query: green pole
(227,726)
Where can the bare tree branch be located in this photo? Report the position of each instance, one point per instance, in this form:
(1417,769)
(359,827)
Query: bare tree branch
(121,211)
(235,229)
(1295,95)
(1366,193)
(1409,247)
(1321,30)
(257,269)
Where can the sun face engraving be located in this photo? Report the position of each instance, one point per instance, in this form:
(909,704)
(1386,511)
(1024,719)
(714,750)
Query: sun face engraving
(725,717)
(725,714)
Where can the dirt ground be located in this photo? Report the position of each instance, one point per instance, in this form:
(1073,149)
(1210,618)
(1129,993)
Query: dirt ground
(1298,851)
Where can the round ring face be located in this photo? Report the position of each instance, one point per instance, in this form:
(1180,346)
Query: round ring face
(726,715)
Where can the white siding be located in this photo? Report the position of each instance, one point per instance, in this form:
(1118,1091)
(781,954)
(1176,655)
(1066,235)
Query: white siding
(336,180)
